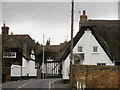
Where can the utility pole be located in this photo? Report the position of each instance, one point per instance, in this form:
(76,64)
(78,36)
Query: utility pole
(43,68)
(72,28)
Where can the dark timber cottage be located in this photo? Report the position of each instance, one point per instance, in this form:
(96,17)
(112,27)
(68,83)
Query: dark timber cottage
(15,48)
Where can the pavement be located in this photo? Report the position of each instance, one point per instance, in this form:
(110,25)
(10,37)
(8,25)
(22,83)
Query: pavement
(60,84)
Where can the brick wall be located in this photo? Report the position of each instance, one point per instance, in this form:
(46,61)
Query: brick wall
(96,76)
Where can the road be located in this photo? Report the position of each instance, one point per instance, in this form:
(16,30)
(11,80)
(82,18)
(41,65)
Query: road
(34,84)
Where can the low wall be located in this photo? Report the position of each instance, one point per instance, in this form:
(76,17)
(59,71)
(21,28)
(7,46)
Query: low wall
(16,71)
(94,76)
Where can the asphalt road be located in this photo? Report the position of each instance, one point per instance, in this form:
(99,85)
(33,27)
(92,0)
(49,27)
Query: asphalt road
(35,84)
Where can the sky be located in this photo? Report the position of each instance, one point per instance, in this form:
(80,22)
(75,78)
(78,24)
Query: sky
(52,18)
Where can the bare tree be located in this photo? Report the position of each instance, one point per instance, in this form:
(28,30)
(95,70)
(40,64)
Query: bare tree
(78,58)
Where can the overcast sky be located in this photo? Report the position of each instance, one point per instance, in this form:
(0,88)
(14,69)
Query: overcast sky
(52,18)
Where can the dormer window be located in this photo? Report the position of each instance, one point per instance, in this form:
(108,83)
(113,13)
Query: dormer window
(80,49)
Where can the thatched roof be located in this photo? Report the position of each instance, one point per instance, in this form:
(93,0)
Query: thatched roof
(18,41)
(105,31)
(55,48)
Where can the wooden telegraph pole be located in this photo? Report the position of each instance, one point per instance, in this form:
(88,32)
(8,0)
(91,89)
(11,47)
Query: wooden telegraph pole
(43,57)
(72,28)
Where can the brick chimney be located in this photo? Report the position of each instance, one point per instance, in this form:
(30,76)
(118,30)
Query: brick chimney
(83,17)
(5,30)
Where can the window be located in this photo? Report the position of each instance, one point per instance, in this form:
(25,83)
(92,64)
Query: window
(9,55)
(117,63)
(101,63)
(80,49)
(95,49)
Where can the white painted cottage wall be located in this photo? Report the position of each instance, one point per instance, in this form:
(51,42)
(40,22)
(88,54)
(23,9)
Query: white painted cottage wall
(30,66)
(87,42)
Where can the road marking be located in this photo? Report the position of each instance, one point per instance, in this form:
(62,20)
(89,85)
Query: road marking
(52,83)
(10,82)
(21,86)
(14,81)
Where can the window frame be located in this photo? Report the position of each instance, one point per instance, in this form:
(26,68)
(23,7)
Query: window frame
(80,50)
(95,49)
(101,64)
(9,55)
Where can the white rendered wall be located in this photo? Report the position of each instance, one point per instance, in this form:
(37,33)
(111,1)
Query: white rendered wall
(66,68)
(87,41)
(30,68)
(30,65)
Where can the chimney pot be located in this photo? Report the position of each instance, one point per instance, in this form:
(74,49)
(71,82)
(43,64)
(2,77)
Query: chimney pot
(5,29)
(84,12)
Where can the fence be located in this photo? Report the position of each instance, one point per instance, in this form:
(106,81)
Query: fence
(80,86)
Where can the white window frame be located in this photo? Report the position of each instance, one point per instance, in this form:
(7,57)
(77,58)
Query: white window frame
(81,50)
(9,55)
(95,51)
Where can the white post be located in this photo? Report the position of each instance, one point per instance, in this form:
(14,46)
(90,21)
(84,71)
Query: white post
(80,86)
(84,87)
(21,71)
(77,85)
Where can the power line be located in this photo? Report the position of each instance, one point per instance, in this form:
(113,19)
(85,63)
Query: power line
(47,10)
(24,11)
(25,5)
(43,11)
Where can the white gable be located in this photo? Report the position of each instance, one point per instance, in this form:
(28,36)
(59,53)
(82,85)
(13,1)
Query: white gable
(87,42)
